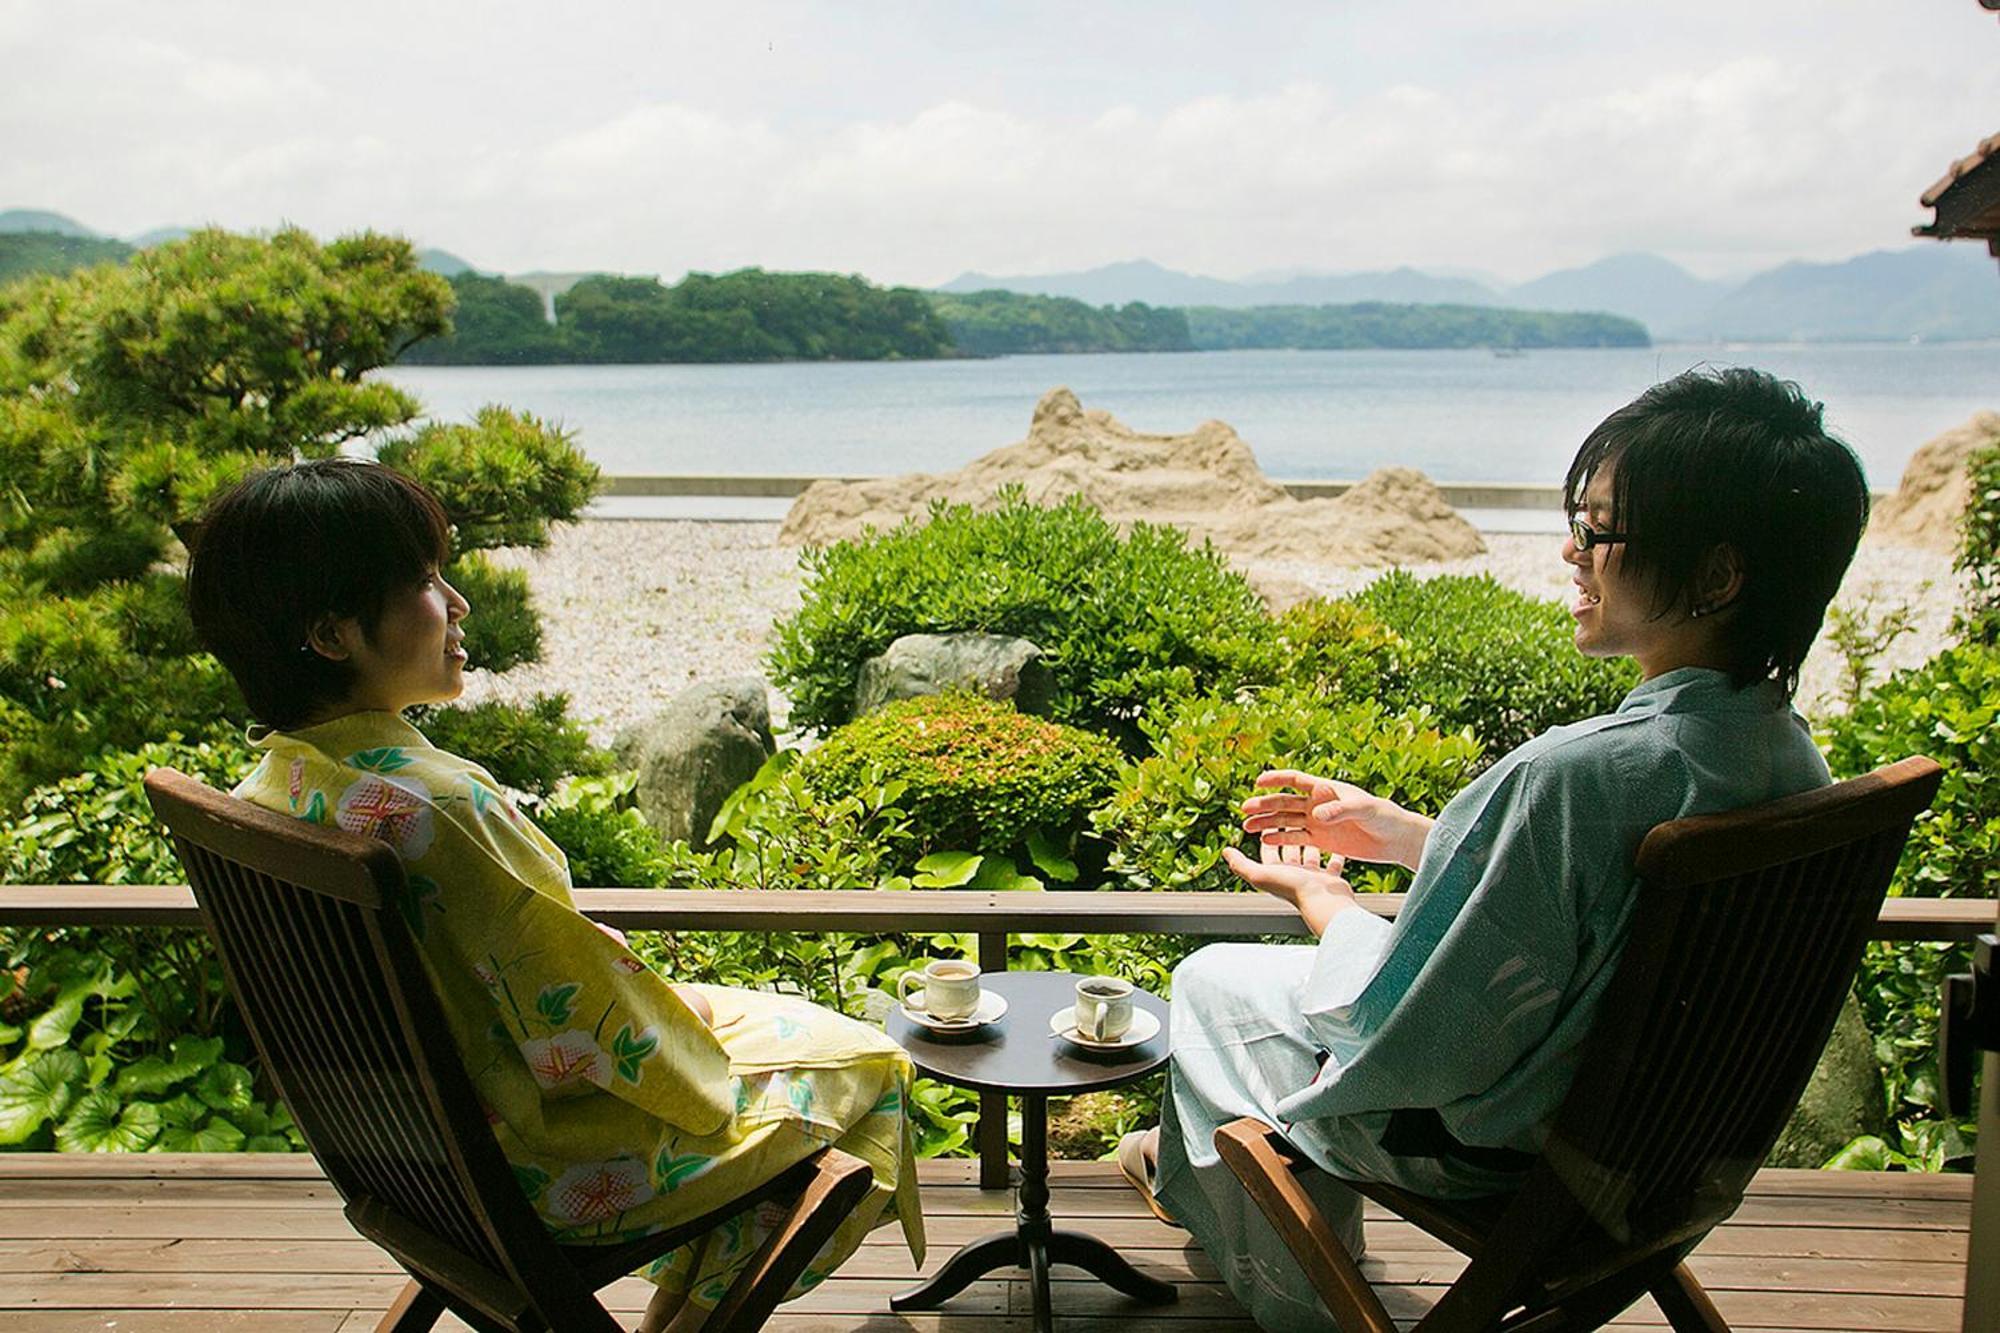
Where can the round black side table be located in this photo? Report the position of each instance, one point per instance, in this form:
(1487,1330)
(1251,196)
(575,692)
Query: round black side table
(1018,1055)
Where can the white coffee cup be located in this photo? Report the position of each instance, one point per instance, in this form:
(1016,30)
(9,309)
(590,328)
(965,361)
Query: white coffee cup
(1103,1008)
(950,989)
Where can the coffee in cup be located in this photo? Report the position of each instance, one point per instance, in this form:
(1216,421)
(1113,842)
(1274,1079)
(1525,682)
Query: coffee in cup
(1103,1008)
(950,991)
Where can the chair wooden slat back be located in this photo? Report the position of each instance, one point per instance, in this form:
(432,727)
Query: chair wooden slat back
(1744,942)
(342,1015)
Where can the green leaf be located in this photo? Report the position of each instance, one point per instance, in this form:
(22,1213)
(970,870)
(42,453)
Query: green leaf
(386,759)
(218,1135)
(39,1090)
(52,1027)
(187,1057)
(947,870)
(267,1143)
(676,1170)
(182,1112)
(998,873)
(1051,858)
(99,1122)
(225,1086)
(556,1001)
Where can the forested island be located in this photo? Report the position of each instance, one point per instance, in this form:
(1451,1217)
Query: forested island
(752,315)
(1376,324)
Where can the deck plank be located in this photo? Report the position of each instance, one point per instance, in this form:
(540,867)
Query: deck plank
(163,1244)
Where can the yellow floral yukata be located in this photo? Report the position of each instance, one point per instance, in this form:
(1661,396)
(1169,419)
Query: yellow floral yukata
(621,1111)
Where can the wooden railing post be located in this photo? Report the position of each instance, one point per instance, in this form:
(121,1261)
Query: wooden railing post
(992,1130)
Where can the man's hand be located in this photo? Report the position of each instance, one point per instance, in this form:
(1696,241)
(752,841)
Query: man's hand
(1296,875)
(1335,818)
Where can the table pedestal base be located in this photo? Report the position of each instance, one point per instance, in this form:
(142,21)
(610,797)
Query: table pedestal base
(1034,1243)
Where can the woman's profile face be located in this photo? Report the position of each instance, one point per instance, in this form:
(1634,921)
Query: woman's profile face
(415,655)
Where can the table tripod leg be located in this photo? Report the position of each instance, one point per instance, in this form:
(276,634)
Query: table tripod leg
(976,1260)
(1108,1266)
(1038,1283)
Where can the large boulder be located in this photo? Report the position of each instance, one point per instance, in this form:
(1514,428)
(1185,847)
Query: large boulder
(709,740)
(1206,482)
(1927,506)
(993,665)
(1843,1101)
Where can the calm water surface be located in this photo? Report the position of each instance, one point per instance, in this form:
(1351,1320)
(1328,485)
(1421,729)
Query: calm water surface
(1459,416)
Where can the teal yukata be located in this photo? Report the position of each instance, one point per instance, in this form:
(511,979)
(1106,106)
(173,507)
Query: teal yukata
(1470,1010)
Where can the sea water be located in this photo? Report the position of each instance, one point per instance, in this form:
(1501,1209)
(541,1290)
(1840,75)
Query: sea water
(1456,415)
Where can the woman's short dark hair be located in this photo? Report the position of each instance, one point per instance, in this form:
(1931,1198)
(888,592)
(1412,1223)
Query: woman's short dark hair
(1738,458)
(282,550)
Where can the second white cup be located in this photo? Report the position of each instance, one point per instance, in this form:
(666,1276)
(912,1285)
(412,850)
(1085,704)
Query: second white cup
(1103,1008)
(950,989)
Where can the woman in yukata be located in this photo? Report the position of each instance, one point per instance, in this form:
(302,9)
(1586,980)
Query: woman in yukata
(1711,522)
(625,1104)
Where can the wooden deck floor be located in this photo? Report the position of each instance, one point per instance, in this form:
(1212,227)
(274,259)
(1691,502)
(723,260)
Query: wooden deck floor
(162,1244)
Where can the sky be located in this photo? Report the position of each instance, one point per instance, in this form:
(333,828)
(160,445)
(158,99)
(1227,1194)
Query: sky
(913,141)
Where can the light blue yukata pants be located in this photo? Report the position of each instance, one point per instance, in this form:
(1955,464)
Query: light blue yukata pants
(1240,1044)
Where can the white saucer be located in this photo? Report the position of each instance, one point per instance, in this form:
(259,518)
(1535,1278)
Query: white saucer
(1145,1027)
(992,1004)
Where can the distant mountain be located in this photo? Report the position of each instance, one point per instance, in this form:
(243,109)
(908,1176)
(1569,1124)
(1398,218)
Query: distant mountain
(37,219)
(145,240)
(1657,292)
(1933,292)
(1143,280)
(443,263)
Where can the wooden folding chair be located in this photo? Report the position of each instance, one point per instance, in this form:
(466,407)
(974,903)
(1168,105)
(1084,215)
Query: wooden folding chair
(1744,942)
(332,990)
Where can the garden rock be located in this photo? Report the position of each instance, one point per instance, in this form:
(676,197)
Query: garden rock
(1206,482)
(709,740)
(1927,506)
(1842,1101)
(993,665)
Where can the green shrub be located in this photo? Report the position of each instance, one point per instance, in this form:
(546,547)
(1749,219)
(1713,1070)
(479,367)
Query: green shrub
(96,827)
(1979,549)
(1113,615)
(975,775)
(1484,656)
(1949,709)
(502,631)
(1173,812)
(608,842)
(530,747)
(1329,650)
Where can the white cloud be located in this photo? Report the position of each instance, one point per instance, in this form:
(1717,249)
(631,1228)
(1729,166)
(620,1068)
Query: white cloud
(794,135)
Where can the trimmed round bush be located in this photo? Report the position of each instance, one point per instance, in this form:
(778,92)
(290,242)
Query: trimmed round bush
(1116,616)
(1487,657)
(974,775)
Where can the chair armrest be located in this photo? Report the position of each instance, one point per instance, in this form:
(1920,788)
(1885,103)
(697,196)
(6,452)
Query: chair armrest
(1268,1168)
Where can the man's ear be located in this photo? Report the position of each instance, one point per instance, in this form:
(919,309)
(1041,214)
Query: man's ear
(1719,580)
(330,638)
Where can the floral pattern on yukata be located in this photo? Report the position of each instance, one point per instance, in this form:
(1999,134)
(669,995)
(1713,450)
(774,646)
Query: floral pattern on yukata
(619,1110)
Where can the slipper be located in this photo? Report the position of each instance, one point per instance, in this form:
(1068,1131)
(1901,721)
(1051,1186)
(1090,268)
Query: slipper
(1132,1165)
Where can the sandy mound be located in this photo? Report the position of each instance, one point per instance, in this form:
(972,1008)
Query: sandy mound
(1206,482)
(1926,508)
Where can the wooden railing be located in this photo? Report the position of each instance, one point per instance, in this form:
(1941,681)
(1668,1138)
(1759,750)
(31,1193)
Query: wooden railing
(992,917)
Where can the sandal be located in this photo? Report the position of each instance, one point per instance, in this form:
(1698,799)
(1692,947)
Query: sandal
(1132,1165)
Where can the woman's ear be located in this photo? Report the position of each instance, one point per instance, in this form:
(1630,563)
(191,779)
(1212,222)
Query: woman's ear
(329,638)
(1719,580)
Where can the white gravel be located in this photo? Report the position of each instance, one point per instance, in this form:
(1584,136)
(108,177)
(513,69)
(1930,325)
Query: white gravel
(633,611)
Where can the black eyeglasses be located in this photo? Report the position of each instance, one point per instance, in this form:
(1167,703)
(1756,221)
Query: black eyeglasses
(1586,536)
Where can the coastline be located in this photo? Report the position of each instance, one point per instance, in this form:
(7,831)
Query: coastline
(636,610)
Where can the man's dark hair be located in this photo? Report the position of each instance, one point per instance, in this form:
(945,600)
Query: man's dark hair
(285,548)
(1732,458)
